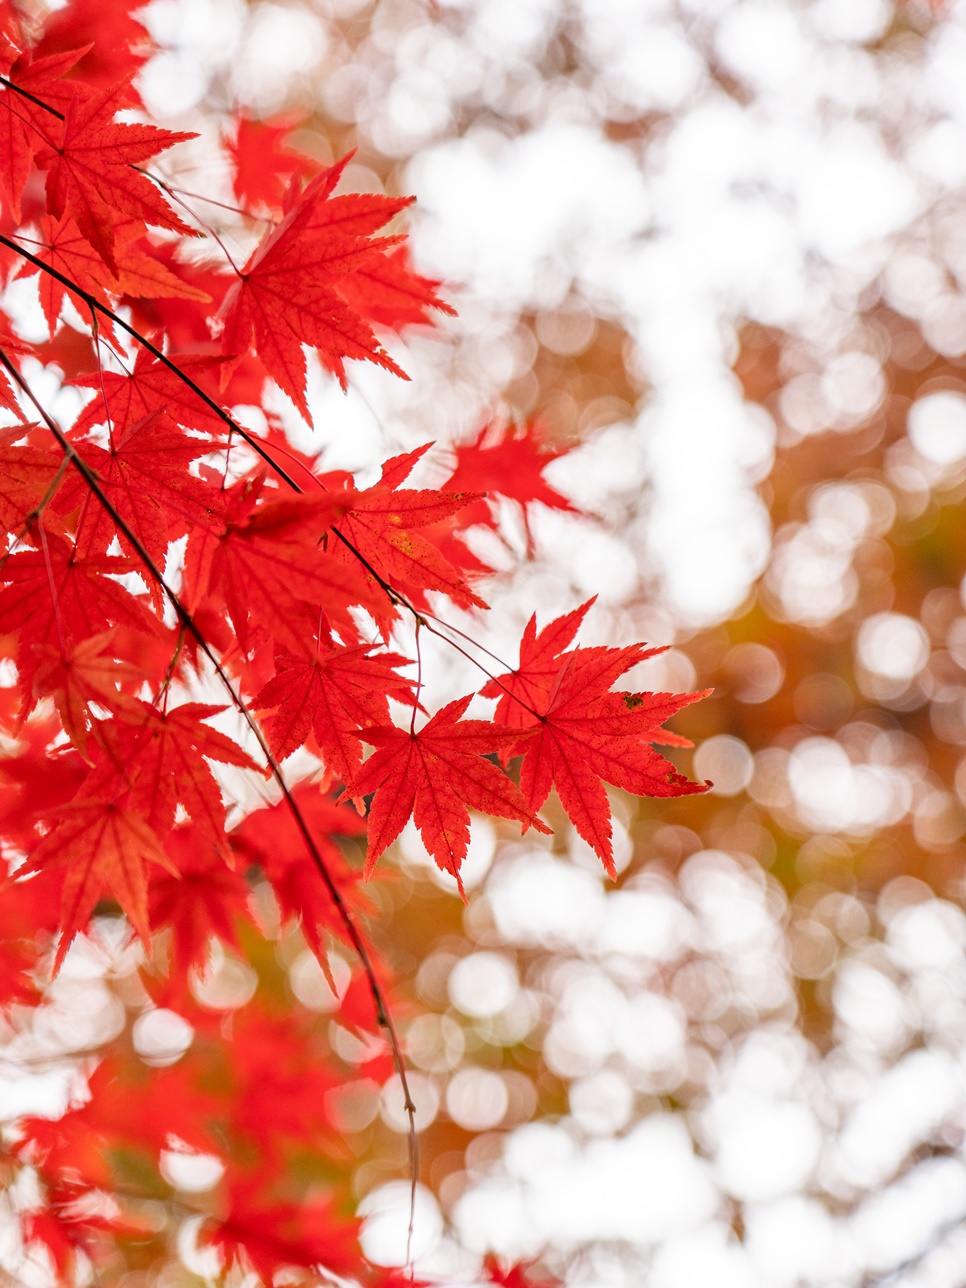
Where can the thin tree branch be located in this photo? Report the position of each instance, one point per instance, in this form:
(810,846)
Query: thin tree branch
(383,1014)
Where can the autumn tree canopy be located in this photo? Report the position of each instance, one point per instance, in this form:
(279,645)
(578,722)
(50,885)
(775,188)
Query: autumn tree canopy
(298,832)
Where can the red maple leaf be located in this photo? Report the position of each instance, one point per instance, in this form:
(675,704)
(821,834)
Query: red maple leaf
(381,522)
(389,293)
(270,1235)
(263,164)
(92,174)
(88,672)
(26,474)
(23,121)
(104,847)
(150,386)
(433,775)
(575,734)
(332,693)
(270,564)
(116,42)
(53,596)
(288,293)
(204,897)
(144,474)
(271,838)
(508,461)
(160,762)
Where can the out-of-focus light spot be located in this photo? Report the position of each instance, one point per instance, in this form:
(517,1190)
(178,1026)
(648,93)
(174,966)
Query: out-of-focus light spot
(385,1235)
(656,1189)
(392,1102)
(762,43)
(859,20)
(601,1104)
(310,985)
(536,899)
(765,1151)
(651,69)
(854,386)
(850,191)
(645,923)
(937,426)
(893,646)
(161,1036)
(566,331)
(353,1105)
(832,794)
(435,1042)
(171,84)
(755,672)
(895,1225)
(823,701)
(727,762)
(483,984)
(227,983)
(911,282)
(811,574)
(938,821)
(869,1005)
(477,1099)
(190,1172)
(928,934)
(500,207)
(281,42)
(944,326)
(902,1107)
(730,901)
(769,785)
(653,1038)
(791,1240)
(812,949)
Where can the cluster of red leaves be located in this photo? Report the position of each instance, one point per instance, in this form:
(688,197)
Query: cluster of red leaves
(155,554)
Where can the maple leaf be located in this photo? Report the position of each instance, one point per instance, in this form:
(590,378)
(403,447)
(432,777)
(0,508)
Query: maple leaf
(150,386)
(515,1275)
(89,672)
(508,461)
(92,174)
(26,473)
(204,897)
(67,251)
(144,474)
(380,523)
(272,1235)
(104,848)
(268,564)
(523,693)
(279,1096)
(288,295)
(118,42)
(271,838)
(23,119)
(72,1216)
(433,776)
(55,596)
(161,762)
(262,161)
(331,693)
(576,734)
(27,912)
(389,293)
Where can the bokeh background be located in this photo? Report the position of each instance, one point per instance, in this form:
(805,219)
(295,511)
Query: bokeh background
(718,248)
